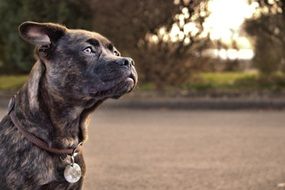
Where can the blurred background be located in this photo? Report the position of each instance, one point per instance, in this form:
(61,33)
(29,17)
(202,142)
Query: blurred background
(208,110)
(181,47)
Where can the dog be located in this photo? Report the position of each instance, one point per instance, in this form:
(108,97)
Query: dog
(42,134)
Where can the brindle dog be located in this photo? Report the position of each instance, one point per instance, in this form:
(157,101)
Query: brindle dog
(75,71)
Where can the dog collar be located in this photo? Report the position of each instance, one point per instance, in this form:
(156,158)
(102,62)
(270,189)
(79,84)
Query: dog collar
(37,141)
(72,172)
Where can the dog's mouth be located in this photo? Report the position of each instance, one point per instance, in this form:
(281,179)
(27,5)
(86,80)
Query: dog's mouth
(125,86)
(132,79)
(128,84)
(116,89)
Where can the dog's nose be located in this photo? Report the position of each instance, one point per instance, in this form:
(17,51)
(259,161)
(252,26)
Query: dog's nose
(128,62)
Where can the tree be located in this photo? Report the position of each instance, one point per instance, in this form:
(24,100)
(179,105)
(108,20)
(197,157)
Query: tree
(268,28)
(16,56)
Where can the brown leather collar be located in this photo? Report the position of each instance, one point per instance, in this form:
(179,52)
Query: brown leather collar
(37,141)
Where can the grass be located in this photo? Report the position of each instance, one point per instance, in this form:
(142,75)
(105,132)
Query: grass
(225,80)
(11,82)
(237,81)
(229,82)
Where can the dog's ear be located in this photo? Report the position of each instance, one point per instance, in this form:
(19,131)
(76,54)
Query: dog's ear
(41,33)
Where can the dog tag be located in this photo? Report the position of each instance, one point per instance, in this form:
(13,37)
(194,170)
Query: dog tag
(72,173)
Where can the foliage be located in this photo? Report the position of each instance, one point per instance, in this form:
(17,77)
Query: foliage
(238,82)
(172,58)
(16,56)
(12,82)
(126,22)
(222,80)
(268,28)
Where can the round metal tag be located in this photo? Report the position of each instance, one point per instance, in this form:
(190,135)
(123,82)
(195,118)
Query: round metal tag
(72,173)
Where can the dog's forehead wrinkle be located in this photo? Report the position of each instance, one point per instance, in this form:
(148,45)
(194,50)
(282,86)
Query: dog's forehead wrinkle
(83,35)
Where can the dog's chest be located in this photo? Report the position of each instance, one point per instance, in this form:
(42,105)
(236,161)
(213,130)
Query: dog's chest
(21,162)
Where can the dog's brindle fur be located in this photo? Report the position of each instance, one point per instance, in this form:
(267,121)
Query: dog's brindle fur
(75,71)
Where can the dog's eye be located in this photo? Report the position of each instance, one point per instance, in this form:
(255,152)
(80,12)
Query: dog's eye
(116,53)
(88,50)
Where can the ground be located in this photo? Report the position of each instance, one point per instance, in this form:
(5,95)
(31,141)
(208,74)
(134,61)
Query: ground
(160,149)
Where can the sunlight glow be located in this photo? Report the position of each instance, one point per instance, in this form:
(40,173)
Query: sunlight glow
(231,54)
(224,24)
(226,17)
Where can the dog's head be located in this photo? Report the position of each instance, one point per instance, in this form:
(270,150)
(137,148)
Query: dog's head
(79,64)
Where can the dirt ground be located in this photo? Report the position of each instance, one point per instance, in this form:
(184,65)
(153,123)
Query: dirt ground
(160,149)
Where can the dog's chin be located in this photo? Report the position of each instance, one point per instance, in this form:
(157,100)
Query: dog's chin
(123,87)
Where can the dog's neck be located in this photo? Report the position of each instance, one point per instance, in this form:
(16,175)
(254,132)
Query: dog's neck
(63,117)
(61,124)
